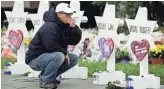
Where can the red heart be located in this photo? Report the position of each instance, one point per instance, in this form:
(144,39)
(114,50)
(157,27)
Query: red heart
(110,43)
(140,49)
(16,38)
(106,46)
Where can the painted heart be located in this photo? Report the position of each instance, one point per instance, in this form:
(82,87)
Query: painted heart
(140,49)
(106,46)
(16,38)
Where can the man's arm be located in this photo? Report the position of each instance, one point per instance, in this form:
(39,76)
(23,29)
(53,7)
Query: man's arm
(74,35)
(50,40)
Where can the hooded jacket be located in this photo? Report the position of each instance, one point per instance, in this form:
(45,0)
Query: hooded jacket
(53,36)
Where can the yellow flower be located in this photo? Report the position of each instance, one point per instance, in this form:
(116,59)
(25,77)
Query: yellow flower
(152,50)
(158,45)
(27,41)
(156,52)
(160,50)
(162,47)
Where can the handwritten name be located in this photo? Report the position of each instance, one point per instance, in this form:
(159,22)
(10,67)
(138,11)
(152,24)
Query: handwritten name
(140,29)
(106,26)
(17,20)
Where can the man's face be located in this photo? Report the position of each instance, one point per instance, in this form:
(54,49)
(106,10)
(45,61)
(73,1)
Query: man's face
(65,17)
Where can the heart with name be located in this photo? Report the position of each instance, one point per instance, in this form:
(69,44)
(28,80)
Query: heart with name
(16,38)
(106,46)
(140,49)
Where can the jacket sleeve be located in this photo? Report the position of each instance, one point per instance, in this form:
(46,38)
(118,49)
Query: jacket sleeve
(74,35)
(50,40)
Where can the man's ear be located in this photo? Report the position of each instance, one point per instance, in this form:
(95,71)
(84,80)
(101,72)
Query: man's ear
(58,14)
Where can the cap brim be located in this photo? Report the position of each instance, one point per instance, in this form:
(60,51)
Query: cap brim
(69,11)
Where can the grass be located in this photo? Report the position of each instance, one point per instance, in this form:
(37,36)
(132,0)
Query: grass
(93,67)
(129,69)
(6,60)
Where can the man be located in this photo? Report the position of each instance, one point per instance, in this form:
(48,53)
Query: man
(48,49)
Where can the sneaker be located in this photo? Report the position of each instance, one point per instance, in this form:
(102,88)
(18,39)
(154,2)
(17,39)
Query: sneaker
(41,84)
(57,82)
(50,86)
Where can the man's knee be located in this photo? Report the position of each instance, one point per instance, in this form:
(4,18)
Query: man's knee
(58,57)
(74,58)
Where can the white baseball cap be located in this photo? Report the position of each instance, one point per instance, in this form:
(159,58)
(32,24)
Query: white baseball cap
(64,7)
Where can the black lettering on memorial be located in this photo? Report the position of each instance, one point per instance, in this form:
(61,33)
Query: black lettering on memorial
(101,25)
(149,28)
(36,22)
(110,26)
(75,18)
(11,19)
(133,28)
(20,20)
(145,30)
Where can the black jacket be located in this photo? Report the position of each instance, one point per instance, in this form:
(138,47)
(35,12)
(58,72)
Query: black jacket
(53,36)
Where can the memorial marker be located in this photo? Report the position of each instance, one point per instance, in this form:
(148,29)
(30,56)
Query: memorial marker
(37,19)
(140,41)
(16,32)
(76,72)
(107,40)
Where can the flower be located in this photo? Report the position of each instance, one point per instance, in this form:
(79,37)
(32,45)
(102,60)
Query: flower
(152,50)
(157,52)
(27,41)
(124,53)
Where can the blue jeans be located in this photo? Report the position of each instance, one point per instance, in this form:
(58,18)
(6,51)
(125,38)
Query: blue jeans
(52,65)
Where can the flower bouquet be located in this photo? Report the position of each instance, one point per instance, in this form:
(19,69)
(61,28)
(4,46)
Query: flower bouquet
(157,54)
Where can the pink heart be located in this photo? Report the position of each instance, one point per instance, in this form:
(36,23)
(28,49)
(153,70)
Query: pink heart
(140,49)
(16,38)
(106,46)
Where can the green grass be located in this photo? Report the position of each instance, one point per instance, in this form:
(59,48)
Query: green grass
(93,67)
(6,60)
(129,69)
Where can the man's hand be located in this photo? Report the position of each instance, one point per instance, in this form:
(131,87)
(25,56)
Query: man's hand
(67,59)
(72,22)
